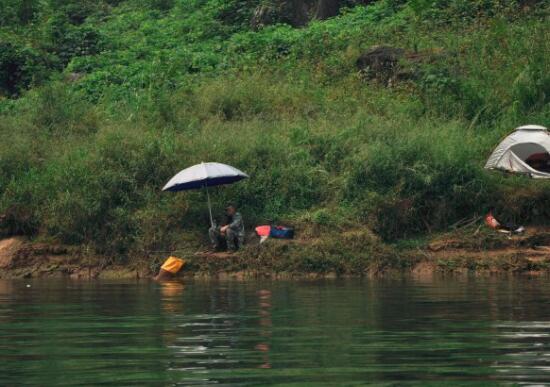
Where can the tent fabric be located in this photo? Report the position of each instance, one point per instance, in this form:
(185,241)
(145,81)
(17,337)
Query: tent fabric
(514,164)
(511,153)
(204,175)
(530,127)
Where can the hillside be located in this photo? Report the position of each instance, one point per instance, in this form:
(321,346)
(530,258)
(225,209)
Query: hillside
(101,102)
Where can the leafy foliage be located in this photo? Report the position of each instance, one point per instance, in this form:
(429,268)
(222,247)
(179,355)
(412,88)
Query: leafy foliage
(18,12)
(20,67)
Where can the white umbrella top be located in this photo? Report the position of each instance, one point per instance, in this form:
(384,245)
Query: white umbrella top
(204,175)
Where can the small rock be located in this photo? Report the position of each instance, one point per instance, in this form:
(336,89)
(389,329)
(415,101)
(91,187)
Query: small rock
(380,62)
(74,77)
(389,65)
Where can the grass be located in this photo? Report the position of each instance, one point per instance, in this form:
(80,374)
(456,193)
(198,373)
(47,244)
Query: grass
(83,162)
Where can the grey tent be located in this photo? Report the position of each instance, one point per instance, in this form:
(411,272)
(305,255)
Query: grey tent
(526,150)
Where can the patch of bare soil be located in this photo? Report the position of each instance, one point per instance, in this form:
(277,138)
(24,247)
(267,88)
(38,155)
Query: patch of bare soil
(22,258)
(8,249)
(491,250)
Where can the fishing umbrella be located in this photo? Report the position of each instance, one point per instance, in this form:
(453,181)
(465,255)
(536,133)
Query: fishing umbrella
(204,175)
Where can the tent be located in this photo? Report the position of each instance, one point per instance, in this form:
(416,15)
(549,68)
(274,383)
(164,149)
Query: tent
(526,150)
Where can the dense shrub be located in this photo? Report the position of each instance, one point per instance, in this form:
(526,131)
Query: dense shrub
(14,12)
(67,40)
(20,67)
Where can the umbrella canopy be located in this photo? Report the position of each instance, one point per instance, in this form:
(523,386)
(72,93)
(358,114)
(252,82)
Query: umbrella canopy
(526,150)
(204,175)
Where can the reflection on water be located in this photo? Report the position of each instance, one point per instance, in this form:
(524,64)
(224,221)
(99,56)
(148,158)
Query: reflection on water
(527,351)
(479,331)
(264,311)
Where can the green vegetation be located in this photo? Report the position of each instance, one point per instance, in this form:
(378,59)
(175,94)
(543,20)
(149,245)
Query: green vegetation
(101,102)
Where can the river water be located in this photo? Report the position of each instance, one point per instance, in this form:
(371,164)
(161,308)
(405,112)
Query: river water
(467,331)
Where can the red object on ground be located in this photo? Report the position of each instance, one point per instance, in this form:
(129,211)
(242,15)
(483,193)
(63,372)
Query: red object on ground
(491,221)
(263,230)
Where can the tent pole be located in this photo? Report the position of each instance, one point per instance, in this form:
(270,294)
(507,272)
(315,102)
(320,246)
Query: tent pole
(209,206)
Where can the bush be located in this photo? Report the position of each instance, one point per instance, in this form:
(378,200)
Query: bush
(20,68)
(19,12)
(68,41)
(445,11)
(420,180)
(62,112)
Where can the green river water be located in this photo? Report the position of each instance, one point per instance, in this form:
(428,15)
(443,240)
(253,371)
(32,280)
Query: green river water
(448,331)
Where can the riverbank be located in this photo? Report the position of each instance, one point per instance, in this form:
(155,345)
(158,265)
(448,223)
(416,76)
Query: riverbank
(350,253)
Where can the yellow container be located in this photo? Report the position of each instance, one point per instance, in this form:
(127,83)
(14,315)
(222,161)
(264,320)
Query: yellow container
(173,265)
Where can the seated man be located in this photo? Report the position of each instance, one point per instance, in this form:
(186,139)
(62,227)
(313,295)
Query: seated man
(232,231)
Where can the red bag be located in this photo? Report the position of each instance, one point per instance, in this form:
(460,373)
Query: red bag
(491,221)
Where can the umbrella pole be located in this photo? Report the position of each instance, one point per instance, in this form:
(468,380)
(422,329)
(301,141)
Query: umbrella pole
(209,207)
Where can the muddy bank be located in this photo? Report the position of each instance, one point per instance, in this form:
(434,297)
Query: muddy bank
(21,258)
(352,253)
